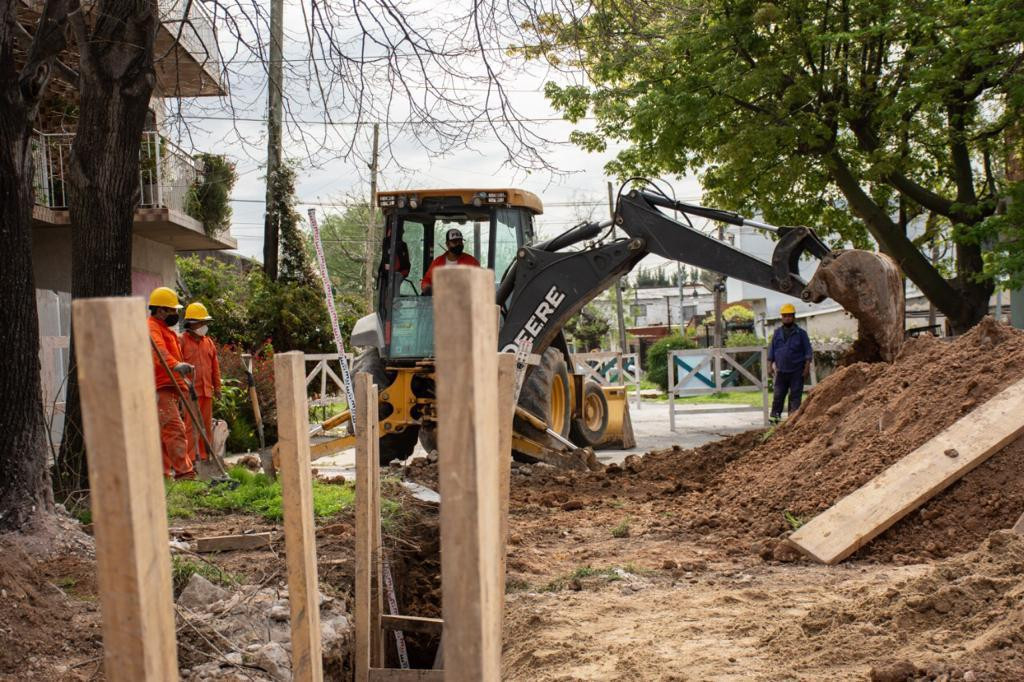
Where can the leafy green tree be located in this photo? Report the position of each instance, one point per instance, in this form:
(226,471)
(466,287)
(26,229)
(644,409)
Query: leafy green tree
(589,328)
(295,263)
(343,236)
(836,115)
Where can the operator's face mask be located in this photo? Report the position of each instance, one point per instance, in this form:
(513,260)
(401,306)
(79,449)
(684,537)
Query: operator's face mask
(171,320)
(201,331)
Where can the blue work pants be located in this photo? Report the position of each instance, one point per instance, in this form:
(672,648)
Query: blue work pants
(791,383)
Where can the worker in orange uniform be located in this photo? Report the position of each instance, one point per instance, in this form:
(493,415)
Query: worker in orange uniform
(163,315)
(199,350)
(453,255)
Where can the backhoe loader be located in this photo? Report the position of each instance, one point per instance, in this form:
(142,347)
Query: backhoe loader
(560,417)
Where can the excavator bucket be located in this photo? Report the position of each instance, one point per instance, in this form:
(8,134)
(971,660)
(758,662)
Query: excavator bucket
(620,427)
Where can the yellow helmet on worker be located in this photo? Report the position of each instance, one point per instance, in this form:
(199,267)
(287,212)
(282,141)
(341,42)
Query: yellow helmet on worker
(786,309)
(164,297)
(197,311)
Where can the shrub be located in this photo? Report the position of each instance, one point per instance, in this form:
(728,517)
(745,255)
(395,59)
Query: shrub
(657,357)
(209,199)
(741,339)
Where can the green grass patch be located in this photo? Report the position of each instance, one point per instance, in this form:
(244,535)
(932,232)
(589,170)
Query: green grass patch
(182,570)
(255,494)
(621,530)
(793,520)
(750,399)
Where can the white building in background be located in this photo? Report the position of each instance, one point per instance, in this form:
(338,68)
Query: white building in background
(659,305)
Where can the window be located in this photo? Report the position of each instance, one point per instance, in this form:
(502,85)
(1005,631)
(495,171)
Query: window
(509,225)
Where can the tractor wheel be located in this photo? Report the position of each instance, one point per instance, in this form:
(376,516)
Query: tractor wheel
(590,428)
(545,394)
(393,445)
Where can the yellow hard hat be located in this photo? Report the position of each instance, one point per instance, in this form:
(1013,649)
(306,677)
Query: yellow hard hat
(786,309)
(164,297)
(197,311)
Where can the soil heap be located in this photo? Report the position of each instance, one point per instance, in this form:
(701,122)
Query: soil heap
(965,613)
(747,492)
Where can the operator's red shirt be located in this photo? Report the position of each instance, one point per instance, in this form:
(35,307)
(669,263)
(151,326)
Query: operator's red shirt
(440,262)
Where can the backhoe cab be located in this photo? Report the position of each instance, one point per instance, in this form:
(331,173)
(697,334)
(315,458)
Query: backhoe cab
(559,415)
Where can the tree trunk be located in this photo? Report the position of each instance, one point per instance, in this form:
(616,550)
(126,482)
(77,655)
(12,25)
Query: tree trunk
(117,80)
(963,302)
(24,486)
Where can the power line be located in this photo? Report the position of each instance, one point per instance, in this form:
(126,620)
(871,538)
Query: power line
(247,119)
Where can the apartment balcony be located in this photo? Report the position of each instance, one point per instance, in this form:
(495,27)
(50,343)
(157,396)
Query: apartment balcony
(167,177)
(186,52)
(187,58)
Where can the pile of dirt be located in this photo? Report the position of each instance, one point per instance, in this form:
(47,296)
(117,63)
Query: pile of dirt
(746,493)
(49,618)
(864,418)
(965,613)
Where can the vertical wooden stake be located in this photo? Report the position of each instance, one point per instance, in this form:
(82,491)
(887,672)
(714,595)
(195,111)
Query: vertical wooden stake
(465,338)
(367,433)
(297,499)
(506,412)
(377,551)
(133,562)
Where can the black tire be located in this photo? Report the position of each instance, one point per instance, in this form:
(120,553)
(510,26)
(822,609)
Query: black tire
(541,385)
(393,445)
(589,429)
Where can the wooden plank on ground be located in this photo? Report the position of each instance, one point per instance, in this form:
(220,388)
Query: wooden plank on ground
(366,430)
(862,515)
(398,675)
(468,428)
(506,414)
(227,543)
(122,435)
(297,500)
(430,626)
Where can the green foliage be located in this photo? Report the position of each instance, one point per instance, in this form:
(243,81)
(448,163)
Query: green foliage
(183,569)
(734,314)
(649,278)
(249,310)
(343,236)
(209,198)
(812,113)
(589,328)
(657,357)
(254,494)
(794,521)
(741,339)
(235,407)
(622,529)
(281,213)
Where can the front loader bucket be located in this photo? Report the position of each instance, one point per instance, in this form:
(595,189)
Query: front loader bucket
(619,433)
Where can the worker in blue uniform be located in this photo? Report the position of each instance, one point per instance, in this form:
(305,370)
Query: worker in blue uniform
(789,359)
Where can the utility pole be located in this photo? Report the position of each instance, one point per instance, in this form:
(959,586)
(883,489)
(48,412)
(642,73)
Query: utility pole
(618,282)
(371,228)
(275,111)
(679,285)
(719,296)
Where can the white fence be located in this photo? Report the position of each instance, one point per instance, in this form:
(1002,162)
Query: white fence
(610,369)
(332,388)
(715,370)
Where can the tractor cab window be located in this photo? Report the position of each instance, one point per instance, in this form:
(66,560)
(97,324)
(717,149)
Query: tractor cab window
(510,228)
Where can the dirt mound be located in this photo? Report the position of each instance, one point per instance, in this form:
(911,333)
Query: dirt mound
(965,613)
(747,492)
(49,621)
(858,422)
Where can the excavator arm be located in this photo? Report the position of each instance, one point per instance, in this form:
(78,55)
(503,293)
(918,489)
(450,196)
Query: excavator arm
(546,286)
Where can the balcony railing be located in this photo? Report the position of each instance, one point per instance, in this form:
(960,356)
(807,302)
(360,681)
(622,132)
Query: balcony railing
(166,172)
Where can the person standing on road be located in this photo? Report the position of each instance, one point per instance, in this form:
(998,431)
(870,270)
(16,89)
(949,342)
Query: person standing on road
(199,350)
(163,315)
(453,255)
(789,359)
